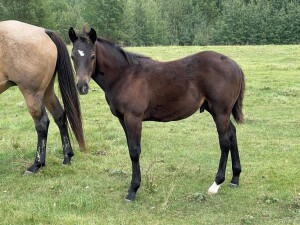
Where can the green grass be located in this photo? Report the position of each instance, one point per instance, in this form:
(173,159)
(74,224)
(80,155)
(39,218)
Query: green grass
(179,159)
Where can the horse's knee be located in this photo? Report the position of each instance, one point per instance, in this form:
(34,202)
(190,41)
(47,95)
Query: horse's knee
(134,154)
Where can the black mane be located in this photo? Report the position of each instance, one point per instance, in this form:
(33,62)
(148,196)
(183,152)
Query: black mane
(131,58)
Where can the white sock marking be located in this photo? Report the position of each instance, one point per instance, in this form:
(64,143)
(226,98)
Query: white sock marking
(213,189)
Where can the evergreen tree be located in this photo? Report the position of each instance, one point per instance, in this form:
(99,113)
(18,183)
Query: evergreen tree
(36,12)
(105,16)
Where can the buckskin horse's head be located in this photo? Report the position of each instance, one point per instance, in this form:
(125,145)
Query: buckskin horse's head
(84,57)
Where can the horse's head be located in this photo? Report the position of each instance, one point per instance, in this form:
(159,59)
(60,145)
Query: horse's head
(84,57)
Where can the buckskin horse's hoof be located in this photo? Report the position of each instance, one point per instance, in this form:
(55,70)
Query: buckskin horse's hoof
(67,161)
(27,173)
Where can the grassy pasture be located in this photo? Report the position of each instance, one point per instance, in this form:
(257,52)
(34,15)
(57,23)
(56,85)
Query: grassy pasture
(179,159)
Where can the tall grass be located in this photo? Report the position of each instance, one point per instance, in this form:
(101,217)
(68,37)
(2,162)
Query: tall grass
(179,159)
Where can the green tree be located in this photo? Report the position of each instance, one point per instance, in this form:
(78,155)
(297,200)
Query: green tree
(36,12)
(143,23)
(205,15)
(190,21)
(2,12)
(258,22)
(105,16)
(66,14)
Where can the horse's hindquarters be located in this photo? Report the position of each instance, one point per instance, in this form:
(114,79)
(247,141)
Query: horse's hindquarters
(29,57)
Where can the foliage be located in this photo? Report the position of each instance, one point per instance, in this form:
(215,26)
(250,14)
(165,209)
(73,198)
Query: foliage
(35,12)
(105,16)
(258,22)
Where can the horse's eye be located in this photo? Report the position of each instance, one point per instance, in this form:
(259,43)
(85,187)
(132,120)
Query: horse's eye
(93,57)
(72,57)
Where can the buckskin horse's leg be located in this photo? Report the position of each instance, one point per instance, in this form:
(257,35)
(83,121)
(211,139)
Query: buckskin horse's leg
(61,122)
(235,158)
(39,115)
(59,115)
(222,123)
(133,127)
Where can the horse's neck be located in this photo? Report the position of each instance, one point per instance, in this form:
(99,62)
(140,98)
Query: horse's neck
(109,67)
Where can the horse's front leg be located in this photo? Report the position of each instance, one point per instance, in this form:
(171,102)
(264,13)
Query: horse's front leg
(133,129)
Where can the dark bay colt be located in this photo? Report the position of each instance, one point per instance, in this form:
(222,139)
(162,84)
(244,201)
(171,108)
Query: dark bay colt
(30,57)
(138,89)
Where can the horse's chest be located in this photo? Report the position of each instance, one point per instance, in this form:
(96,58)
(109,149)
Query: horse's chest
(113,106)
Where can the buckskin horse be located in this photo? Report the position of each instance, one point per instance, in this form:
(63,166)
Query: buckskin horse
(138,89)
(30,57)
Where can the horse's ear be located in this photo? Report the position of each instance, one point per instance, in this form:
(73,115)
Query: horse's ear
(72,35)
(93,35)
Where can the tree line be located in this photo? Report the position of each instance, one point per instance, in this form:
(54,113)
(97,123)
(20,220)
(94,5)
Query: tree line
(166,22)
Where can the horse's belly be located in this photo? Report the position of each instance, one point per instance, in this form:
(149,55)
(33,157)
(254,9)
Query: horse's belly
(173,112)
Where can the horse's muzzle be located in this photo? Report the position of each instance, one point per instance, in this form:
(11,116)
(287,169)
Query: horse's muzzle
(82,87)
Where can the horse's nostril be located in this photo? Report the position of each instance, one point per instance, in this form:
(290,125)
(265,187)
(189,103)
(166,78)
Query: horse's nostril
(82,88)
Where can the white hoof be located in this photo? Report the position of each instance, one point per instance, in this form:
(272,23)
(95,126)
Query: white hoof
(214,188)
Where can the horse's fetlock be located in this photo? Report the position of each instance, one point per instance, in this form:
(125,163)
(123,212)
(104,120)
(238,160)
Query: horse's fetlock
(135,185)
(236,171)
(219,179)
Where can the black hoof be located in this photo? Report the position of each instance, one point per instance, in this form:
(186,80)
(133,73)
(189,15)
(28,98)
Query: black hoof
(233,185)
(234,181)
(130,197)
(34,168)
(67,158)
(67,161)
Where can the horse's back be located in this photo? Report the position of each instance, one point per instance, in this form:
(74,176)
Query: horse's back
(27,54)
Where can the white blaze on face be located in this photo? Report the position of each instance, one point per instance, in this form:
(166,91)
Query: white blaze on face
(81,53)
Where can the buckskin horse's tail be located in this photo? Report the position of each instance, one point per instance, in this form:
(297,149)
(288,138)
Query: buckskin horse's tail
(238,105)
(68,88)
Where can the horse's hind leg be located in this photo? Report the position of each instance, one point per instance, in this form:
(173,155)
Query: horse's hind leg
(222,123)
(60,119)
(39,115)
(236,165)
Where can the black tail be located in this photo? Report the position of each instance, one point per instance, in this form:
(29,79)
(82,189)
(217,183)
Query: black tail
(68,88)
(238,106)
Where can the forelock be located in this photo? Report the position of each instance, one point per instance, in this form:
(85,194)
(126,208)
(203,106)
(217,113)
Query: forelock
(84,38)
